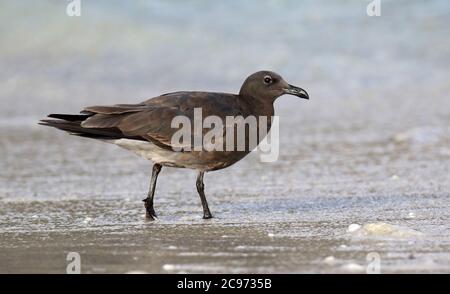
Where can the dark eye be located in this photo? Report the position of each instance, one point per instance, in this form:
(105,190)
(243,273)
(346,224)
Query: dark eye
(267,79)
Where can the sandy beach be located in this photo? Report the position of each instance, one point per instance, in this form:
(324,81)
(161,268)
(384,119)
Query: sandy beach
(364,165)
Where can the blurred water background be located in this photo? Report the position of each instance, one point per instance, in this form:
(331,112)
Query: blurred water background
(371,146)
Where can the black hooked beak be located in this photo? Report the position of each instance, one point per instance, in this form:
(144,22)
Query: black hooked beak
(296,91)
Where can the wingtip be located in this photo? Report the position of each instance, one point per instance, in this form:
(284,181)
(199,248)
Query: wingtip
(55,115)
(44,122)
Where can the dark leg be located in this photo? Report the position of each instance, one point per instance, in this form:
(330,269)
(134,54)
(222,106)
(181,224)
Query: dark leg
(201,192)
(148,202)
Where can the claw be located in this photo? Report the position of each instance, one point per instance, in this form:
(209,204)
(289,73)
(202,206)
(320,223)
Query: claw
(207,216)
(149,217)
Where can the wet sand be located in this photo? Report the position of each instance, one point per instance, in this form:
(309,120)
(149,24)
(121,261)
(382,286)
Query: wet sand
(372,146)
(279,217)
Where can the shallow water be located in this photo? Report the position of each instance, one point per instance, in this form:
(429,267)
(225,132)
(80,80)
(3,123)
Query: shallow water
(371,146)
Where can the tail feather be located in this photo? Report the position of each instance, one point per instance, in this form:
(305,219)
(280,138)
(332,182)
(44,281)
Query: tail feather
(70,117)
(72,125)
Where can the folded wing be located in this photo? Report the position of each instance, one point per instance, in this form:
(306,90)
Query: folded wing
(148,121)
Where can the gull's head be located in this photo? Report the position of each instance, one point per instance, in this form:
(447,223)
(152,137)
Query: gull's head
(268,85)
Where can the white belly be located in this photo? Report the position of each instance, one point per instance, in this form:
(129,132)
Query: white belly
(150,151)
(195,160)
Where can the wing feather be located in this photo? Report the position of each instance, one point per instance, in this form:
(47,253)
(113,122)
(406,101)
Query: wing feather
(151,119)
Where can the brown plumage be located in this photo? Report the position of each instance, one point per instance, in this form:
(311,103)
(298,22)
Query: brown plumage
(145,128)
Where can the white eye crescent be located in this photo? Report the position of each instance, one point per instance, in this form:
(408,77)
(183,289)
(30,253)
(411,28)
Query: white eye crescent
(267,80)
